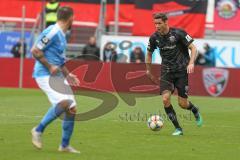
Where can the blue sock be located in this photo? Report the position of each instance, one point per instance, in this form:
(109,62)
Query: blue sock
(67,126)
(51,115)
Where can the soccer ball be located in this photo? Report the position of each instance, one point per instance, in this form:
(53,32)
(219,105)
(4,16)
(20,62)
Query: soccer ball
(155,123)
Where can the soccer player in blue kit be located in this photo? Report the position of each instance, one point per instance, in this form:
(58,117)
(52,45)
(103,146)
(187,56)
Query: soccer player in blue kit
(49,52)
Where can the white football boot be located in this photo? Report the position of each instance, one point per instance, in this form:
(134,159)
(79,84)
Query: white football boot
(36,138)
(69,149)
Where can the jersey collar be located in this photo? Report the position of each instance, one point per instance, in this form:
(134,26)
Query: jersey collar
(165,35)
(59,28)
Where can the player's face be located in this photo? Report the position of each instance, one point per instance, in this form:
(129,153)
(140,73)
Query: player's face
(70,22)
(160,25)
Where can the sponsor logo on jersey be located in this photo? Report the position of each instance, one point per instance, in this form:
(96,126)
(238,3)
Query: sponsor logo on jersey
(45,40)
(188,38)
(172,39)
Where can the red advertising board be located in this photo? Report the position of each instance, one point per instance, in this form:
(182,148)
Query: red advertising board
(131,78)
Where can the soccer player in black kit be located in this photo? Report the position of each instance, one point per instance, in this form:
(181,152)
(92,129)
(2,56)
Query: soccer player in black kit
(176,65)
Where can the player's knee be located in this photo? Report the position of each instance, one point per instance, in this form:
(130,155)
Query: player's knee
(73,110)
(166,101)
(65,104)
(183,104)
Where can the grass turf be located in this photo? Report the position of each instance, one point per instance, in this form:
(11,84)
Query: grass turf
(121,133)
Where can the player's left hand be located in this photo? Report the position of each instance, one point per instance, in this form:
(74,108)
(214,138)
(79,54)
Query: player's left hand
(73,80)
(190,68)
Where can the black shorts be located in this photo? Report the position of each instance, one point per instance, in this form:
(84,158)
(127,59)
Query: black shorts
(171,80)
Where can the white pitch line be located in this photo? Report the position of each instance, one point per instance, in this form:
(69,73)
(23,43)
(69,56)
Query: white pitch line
(19,115)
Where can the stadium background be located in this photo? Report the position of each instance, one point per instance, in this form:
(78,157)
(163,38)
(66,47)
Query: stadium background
(216,22)
(120,23)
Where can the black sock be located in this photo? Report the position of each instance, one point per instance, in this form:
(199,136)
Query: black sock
(172,116)
(194,110)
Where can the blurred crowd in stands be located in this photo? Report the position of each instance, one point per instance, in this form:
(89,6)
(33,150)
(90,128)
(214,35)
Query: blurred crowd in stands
(91,51)
(109,54)
(206,57)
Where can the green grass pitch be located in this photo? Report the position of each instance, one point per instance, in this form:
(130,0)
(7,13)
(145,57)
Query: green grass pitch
(120,134)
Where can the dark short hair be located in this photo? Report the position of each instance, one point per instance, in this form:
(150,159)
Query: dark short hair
(64,13)
(160,16)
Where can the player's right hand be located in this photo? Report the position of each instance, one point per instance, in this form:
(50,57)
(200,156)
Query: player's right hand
(73,80)
(152,77)
(54,69)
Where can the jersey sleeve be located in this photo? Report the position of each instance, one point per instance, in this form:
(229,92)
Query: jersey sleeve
(45,39)
(185,38)
(151,44)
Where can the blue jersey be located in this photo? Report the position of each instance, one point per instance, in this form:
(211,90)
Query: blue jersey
(53,43)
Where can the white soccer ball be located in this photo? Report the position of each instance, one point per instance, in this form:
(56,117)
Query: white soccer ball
(155,123)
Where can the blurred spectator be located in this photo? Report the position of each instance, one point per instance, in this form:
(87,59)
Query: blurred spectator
(137,55)
(200,60)
(121,58)
(207,58)
(17,49)
(51,12)
(109,53)
(91,51)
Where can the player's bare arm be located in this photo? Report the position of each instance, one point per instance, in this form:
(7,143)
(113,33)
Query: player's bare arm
(39,55)
(65,71)
(193,49)
(149,66)
(71,78)
(149,61)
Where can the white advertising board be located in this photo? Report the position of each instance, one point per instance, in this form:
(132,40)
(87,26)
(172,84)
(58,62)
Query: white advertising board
(227,53)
